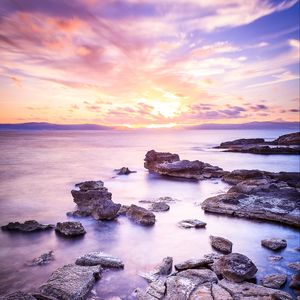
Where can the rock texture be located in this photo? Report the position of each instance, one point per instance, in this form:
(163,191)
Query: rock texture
(159,207)
(43,259)
(100,258)
(288,139)
(18,296)
(165,163)
(275,281)
(295,281)
(191,223)
(93,199)
(124,171)
(194,264)
(70,229)
(140,215)
(221,244)
(27,226)
(70,282)
(274,243)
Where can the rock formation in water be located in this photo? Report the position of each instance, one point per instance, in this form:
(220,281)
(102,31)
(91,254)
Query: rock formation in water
(124,171)
(70,229)
(27,226)
(141,215)
(221,244)
(43,259)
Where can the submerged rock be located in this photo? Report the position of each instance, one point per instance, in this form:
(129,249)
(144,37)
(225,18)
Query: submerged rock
(70,282)
(27,226)
(93,199)
(275,281)
(159,207)
(191,223)
(140,215)
(43,259)
(124,171)
(235,267)
(274,243)
(165,163)
(18,296)
(100,258)
(221,244)
(275,257)
(194,264)
(70,229)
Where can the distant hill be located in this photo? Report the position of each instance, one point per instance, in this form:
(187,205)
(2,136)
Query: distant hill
(252,125)
(50,126)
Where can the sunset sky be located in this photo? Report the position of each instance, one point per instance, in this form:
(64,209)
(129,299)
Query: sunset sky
(149,63)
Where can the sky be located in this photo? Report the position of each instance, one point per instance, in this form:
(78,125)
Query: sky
(149,63)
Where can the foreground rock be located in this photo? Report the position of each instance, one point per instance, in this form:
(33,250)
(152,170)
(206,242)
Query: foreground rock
(194,264)
(274,244)
(235,267)
(275,281)
(93,199)
(70,229)
(70,282)
(18,296)
(295,281)
(191,223)
(165,163)
(140,215)
(100,258)
(221,244)
(159,207)
(124,171)
(43,259)
(259,195)
(27,226)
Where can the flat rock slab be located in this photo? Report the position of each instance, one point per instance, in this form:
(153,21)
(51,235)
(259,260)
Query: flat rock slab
(191,223)
(71,282)
(221,244)
(18,296)
(274,243)
(70,229)
(141,215)
(194,264)
(100,258)
(27,226)
(274,281)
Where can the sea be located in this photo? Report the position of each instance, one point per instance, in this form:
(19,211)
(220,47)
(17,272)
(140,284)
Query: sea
(38,170)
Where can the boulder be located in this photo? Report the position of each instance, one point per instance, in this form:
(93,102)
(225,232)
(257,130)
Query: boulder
(221,244)
(70,229)
(123,210)
(191,223)
(93,199)
(27,226)
(43,259)
(159,207)
(274,281)
(235,267)
(124,171)
(295,281)
(194,264)
(18,296)
(220,293)
(100,258)
(155,291)
(295,265)
(140,215)
(274,243)
(70,282)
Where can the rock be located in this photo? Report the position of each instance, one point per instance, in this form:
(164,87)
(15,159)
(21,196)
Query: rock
(99,258)
(140,215)
(159,207)
(43,259)
(191,223)
(288,139)
(155,291)
(258,149)
(167,199)
(274,281)
(124,171)
(274,243)
(93,199)
(165,163)
(237,176)
(221,244)
(123,210)
(247,291)
(235,267)
(71,282)
(295,281)
(70,229)
(27,226)
(185,283)
(295,265)
(18,296)
(275,258)
(194,264)
(241,142)
(220,293)
(161,270)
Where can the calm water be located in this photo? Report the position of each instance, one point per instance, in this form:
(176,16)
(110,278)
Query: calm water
(39,169)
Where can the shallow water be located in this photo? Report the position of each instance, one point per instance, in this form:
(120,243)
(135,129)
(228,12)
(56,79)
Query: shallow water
(39,169)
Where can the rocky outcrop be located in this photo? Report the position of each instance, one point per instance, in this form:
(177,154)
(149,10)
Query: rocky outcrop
(18,296)
(159,207)
(165,163)
(221,244)
(100,258)
(288,139)
(265,150)
(70,282)
(27,226)
(140,215)
(191,223)
(124,171)
(93,199)
(43,259)
(70,229)
(235,267)
(194,264)
(274,281)
(274,243)
(241,142)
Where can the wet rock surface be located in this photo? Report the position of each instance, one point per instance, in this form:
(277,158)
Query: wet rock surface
(194,264)
(27,226)
(70,229)
(275,281)
(295,265)
(100,258)
(18,296)
(295,281)
(124,171)
(288,139)
(94,199)
(70,282)
(159,207)
(221,244)
(191,223)
(140,215)
(274,243)
(43,259)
